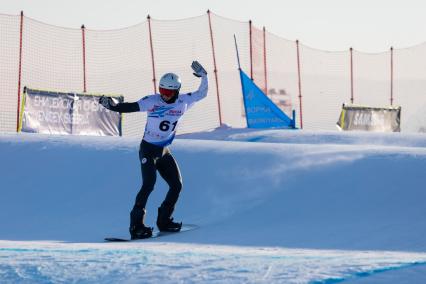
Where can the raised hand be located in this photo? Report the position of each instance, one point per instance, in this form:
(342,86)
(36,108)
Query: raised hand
(199,70)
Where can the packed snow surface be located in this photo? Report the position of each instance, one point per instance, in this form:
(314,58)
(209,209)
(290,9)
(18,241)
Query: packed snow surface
(273,206)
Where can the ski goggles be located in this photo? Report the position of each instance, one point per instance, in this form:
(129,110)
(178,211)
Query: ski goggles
(168,93)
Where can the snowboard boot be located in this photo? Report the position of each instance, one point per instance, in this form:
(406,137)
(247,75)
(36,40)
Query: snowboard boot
(137,228)
(165,222)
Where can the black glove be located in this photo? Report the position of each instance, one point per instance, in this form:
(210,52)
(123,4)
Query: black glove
(106,102)
(199,70)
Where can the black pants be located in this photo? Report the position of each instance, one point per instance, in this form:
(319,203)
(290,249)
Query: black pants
(155,158)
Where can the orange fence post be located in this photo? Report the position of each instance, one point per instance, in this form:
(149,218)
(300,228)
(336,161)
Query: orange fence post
(352,75)
(20,70)
(264,61)
(251,51)
(299,84)
(391,75)
(152,54)
(83,35)
(215,67)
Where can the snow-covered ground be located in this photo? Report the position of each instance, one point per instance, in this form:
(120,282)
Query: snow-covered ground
(273,206)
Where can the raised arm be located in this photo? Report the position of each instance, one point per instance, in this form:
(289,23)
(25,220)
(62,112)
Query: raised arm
(200,72)
(108,103)
(201,93)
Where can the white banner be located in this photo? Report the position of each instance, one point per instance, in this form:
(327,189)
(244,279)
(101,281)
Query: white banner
(370,118)
(68,113)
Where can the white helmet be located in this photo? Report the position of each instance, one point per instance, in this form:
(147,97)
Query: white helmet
(170,81)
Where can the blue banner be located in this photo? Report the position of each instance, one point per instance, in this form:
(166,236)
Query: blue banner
(261,112)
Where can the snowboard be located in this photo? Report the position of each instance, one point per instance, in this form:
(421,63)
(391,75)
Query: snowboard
(155,234)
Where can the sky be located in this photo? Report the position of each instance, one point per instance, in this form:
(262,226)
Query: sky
(365,25)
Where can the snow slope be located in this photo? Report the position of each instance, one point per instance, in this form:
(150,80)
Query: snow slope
(273,206)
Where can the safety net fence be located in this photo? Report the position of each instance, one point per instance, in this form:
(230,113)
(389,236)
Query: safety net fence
(130,61)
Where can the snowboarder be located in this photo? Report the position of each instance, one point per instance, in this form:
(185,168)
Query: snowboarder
(163,113)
